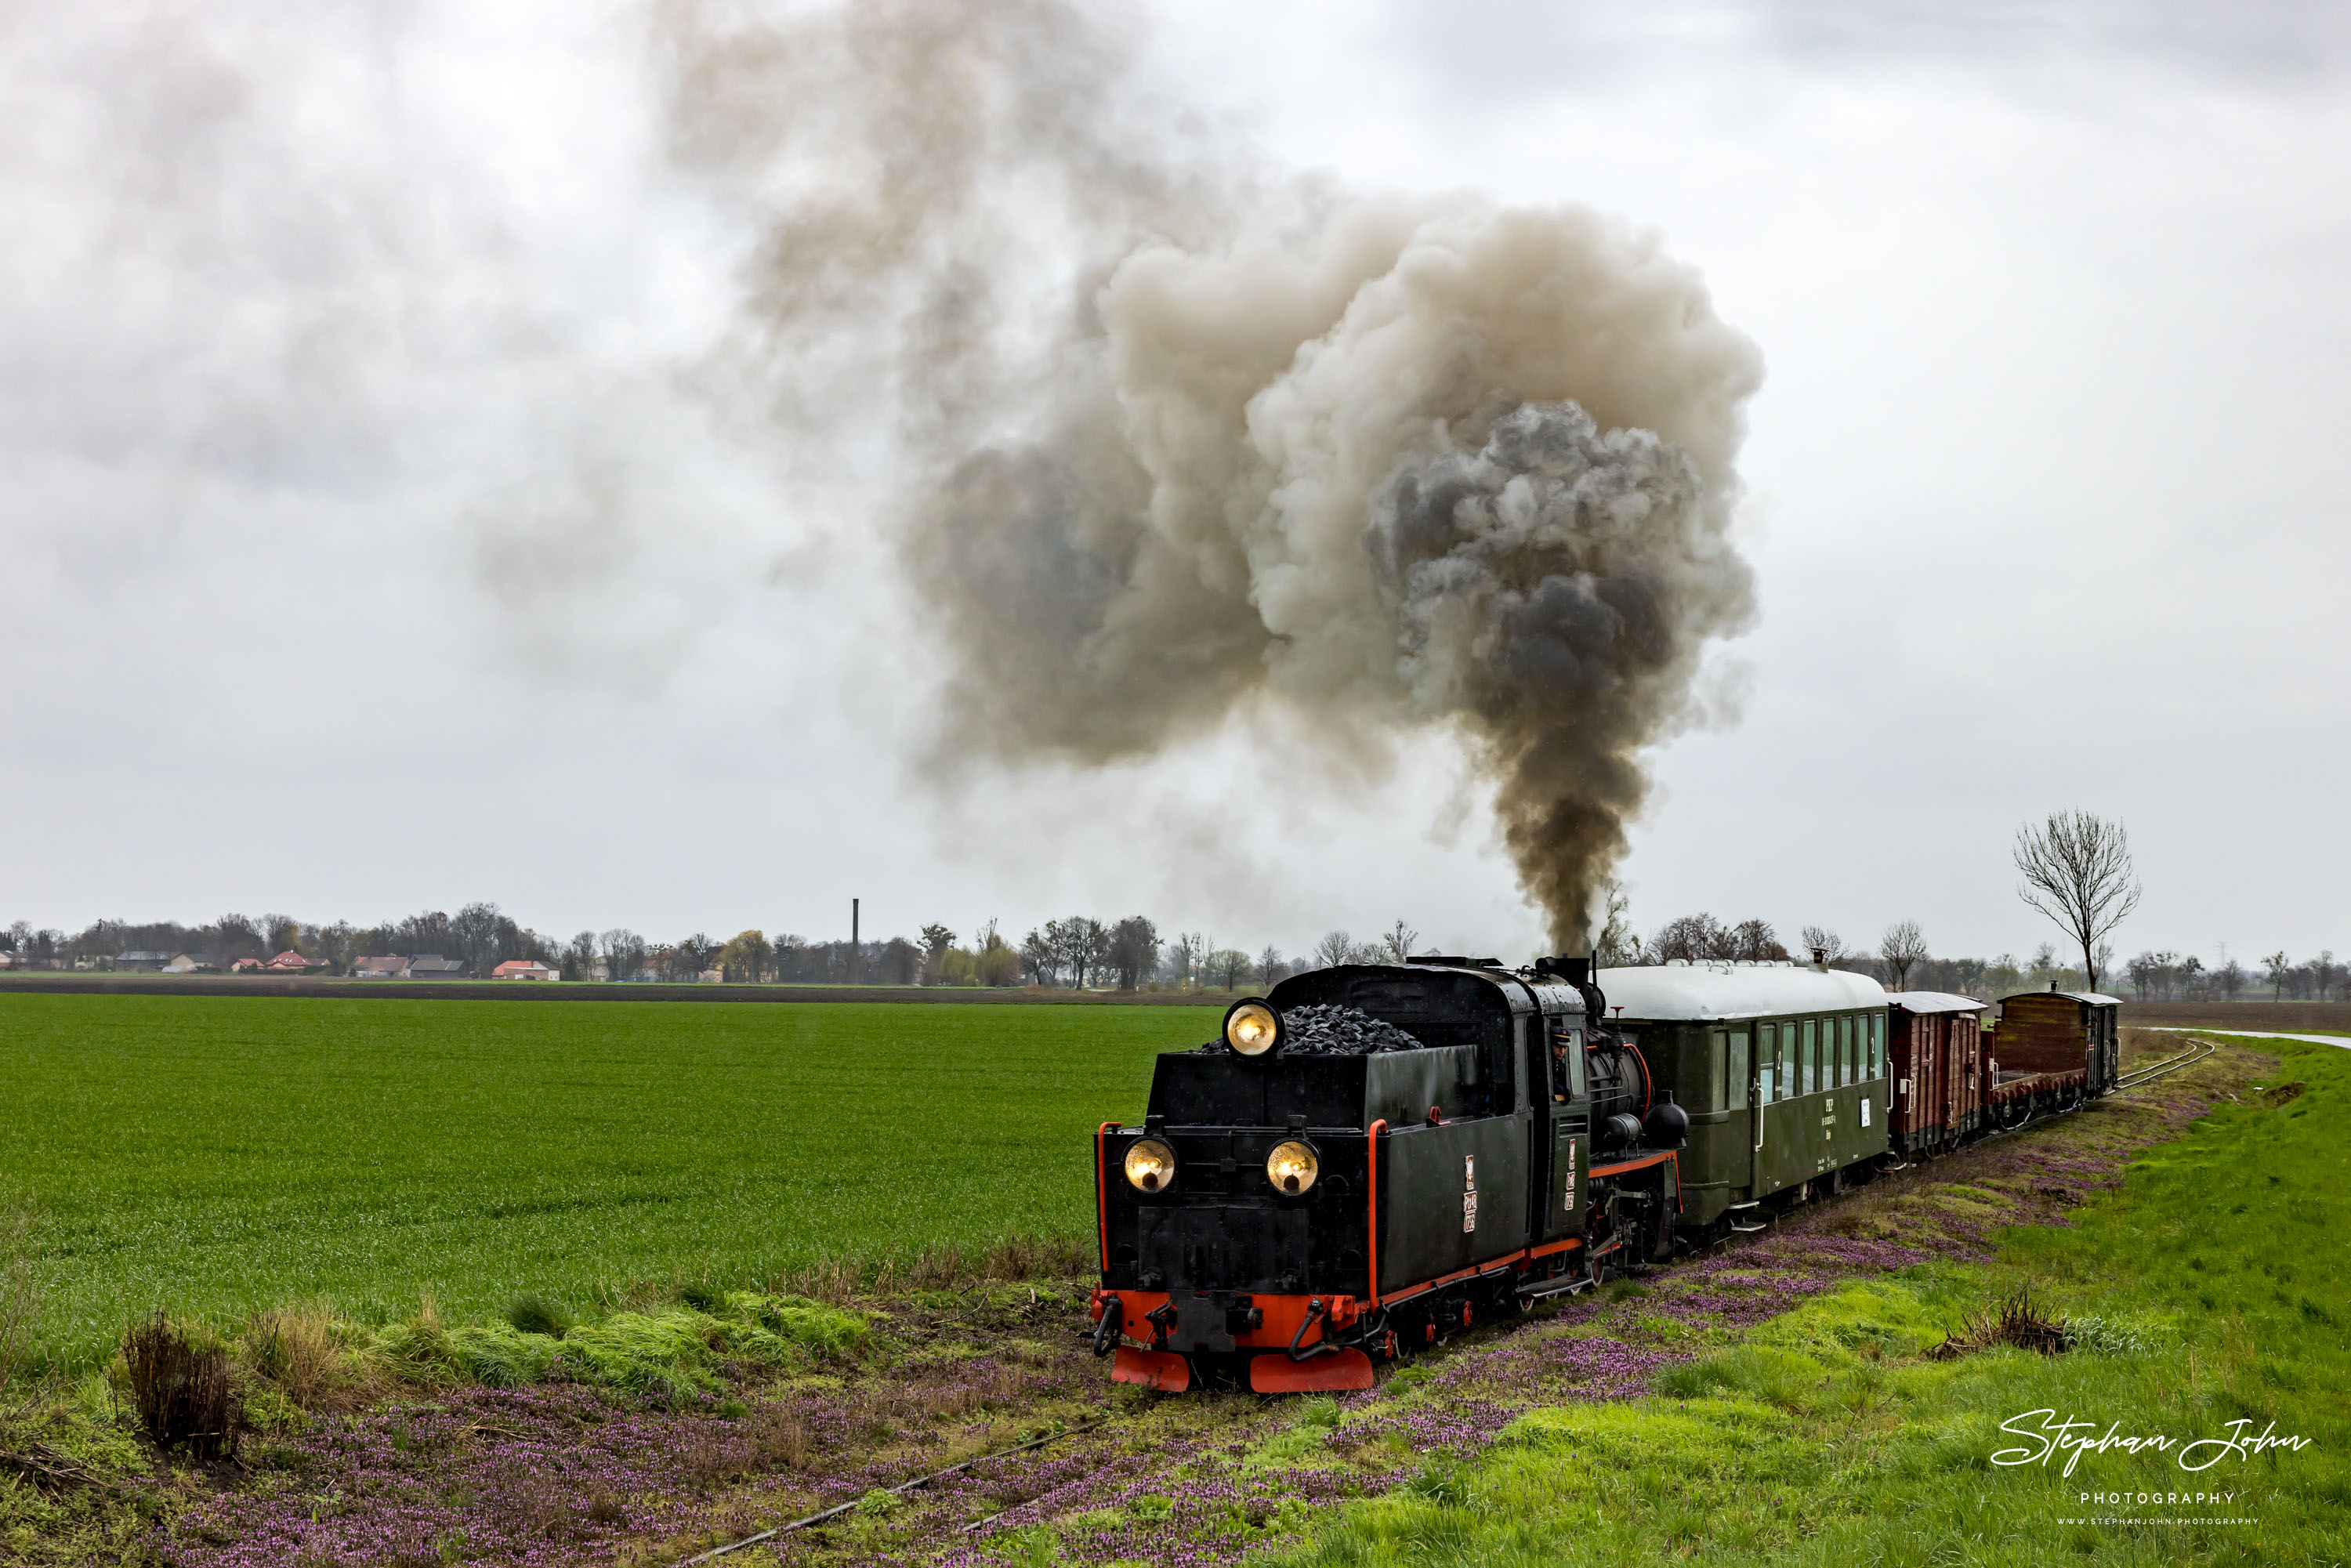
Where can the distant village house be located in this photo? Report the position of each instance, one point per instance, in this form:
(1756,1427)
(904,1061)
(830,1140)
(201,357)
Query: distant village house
(390,967)
(524,969)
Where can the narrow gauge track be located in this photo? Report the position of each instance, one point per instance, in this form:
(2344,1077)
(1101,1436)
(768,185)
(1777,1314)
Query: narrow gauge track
(903,1486)
(2196,1052)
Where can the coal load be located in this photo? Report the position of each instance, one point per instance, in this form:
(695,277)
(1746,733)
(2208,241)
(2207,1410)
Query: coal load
(1329,1030)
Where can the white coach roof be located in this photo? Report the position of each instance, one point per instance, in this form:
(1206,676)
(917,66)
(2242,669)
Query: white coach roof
(1704,991)
(1935,1002)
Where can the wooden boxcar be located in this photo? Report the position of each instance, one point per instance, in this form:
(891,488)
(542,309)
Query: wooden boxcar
(2059,1032)
(1780,1066)
(1936,1051)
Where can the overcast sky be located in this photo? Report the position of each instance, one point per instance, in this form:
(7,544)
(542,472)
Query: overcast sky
(370,540)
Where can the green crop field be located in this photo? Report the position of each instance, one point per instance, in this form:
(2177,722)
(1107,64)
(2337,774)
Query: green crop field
(216,1156)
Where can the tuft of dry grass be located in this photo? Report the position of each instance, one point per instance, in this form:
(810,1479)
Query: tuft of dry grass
(304,1351)
(1038,1258)
(834,1282)
(2017,1321)
(935,1268)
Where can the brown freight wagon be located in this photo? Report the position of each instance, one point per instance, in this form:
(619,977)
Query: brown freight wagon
(1935,1047)
(2049,1052)
(2060,1031)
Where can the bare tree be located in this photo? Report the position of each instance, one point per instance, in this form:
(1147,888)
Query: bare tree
(1902,947)
(2279,966)
(1335,948)
(2077,872)
(1228,966)
(624,953)
(1826,943)
(1694,937)
(1041,954)
(1755,939)
(1131,951)
(1397,946)
(1269,966)
(1186,954)
(1618,945)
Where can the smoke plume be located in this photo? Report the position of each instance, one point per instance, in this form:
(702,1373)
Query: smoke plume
(1190,437)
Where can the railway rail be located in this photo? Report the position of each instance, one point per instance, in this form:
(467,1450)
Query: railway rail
(2197,1052)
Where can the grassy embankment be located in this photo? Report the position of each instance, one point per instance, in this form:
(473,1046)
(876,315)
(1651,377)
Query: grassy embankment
(2213,1288)
(217,1157)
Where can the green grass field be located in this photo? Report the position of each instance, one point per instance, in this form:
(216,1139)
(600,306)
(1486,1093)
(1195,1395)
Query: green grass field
(214,1156)
(2209,1290)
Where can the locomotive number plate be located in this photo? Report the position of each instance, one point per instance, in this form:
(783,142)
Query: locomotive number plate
(1469,1194)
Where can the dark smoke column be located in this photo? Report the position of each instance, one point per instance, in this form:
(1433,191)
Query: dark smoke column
(1554,589)
(1380,463)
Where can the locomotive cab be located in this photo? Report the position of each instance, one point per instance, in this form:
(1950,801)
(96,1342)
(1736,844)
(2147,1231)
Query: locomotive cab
(1370,1159)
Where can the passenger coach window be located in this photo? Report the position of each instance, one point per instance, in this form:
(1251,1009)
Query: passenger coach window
(1812,1064)
(1734,1077)
(1844,1049)
(1767,1064)
(1716,1069)
(1876,1045)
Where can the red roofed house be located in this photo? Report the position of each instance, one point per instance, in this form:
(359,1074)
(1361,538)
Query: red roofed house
(524,969)
(291,961)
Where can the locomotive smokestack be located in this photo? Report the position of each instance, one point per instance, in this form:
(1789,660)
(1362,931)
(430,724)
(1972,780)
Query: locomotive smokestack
(1366,464)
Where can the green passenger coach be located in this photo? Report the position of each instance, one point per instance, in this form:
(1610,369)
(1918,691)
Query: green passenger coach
(1780,1067)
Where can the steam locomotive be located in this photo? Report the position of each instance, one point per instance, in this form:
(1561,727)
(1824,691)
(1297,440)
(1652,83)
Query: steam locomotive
(1375,1157)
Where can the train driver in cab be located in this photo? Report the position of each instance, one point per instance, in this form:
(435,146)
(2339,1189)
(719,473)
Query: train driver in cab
(1563,1063)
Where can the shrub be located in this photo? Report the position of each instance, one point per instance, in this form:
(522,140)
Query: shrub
(181,1389)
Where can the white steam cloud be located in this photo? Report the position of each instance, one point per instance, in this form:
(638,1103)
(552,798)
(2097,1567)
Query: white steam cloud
(1190,439)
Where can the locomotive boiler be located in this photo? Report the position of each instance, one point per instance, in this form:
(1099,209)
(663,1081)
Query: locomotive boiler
(1371,1159)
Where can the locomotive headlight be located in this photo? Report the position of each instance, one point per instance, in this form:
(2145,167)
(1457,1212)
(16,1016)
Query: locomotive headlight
(1150,1165)
(1253,1028)
(1293,1167)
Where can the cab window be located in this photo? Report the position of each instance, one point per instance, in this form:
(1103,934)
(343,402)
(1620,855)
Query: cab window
(1566,1064)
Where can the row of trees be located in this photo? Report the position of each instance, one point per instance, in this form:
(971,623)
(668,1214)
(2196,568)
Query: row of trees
(1079,951)
(2168,976)
(478,935)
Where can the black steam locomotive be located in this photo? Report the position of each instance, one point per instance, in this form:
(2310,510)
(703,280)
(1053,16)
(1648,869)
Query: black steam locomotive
(1376,1157)
(1373,1158)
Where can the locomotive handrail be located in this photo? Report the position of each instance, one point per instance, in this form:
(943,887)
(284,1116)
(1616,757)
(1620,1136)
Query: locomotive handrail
(1372,1205)
(1101,1199)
